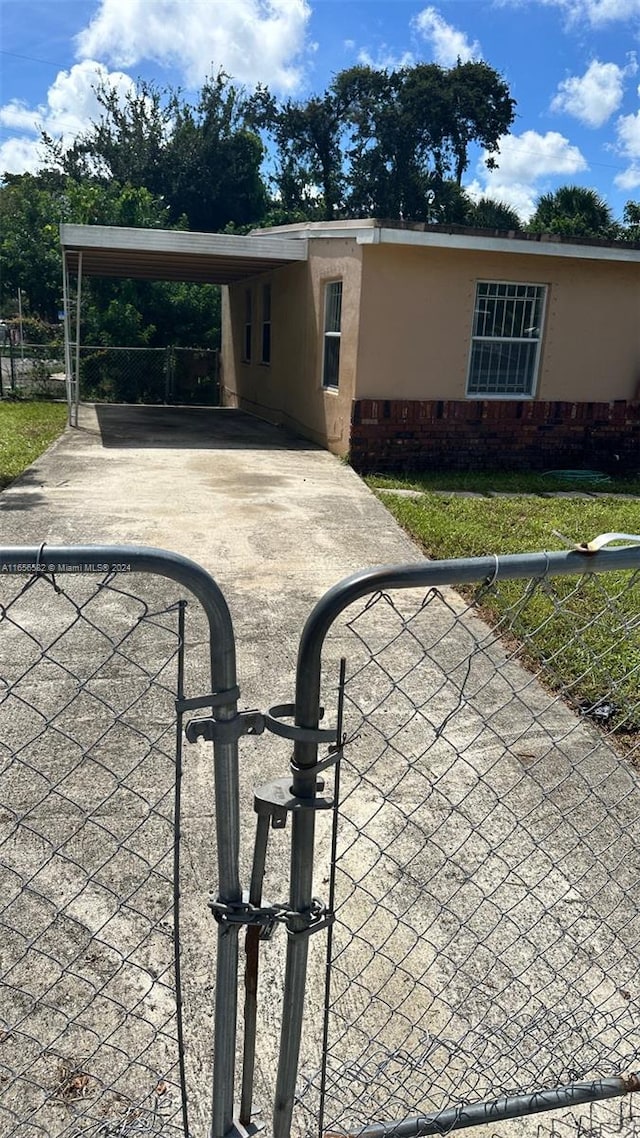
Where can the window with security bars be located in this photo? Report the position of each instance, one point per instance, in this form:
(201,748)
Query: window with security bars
(507,332)
(332,322)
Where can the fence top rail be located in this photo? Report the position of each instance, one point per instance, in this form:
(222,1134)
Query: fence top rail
(52,560)
(430,574)
(138,348)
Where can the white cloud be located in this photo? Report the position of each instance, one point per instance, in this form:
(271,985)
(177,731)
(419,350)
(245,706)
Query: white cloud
(252,40)
(18,116)
(71,105)
(628,144)
(20,155)
(596,13)
(599,12)
(629,179)
(448,44)
(628,132)
(595,96)
(385,59)
(519,196)
(523,162)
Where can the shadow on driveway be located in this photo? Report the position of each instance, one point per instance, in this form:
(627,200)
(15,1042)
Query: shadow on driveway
(191,428)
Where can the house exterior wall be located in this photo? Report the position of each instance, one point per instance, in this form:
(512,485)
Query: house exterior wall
(417,316)
(289,390)
(411,408)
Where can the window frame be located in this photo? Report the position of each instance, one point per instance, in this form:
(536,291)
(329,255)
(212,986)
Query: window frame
(247,327)
(543,291)
(265,357)
(331,334)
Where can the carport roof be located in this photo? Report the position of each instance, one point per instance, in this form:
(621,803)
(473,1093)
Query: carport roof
(175,255)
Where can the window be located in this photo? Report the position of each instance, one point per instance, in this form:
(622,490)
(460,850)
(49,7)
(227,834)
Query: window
(505,346)
(332,318)
(266,324)
(248,322)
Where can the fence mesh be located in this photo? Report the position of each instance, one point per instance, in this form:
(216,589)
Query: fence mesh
(88,1020)
(33,370)
(487,939)
(149,375)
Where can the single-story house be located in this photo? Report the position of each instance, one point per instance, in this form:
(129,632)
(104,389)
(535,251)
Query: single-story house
(430,346)
(409,345)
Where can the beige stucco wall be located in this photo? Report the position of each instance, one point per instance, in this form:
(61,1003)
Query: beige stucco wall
(417,316)
(289,390)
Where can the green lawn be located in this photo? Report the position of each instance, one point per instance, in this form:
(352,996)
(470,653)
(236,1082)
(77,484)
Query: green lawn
(26,429)
(584,635)
(484,482)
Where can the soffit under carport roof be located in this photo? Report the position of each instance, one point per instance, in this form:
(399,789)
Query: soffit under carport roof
(175,255)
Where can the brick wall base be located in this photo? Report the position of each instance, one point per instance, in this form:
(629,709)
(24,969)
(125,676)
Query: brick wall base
(496,434)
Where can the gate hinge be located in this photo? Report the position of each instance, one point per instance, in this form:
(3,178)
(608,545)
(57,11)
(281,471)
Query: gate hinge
(317,917)
(225,730)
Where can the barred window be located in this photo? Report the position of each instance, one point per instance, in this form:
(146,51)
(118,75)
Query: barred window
(332,323)
(507,333)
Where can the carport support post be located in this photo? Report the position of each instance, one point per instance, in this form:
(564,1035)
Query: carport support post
(66,298)
(76,383)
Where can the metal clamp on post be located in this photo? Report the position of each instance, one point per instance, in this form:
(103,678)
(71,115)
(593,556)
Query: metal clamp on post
(226,730)
(215,699)
(251,723)
(273,722)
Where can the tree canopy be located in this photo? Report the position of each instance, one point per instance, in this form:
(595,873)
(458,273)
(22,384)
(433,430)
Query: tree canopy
(393,144)
(383,143)
(573,211)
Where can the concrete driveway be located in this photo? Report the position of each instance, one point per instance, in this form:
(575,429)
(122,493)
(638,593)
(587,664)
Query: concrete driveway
(278,521)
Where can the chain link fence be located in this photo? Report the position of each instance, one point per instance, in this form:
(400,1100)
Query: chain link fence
(34,371)
(485,866)
(90,1034)
(149,375)
(463,942)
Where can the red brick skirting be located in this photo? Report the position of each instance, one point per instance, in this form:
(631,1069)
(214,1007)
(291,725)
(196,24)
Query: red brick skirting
(398,434)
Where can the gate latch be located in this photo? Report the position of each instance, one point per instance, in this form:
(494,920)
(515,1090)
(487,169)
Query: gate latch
(255,723)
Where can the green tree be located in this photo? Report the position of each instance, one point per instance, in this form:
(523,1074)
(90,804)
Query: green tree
(30,215)
(383,143)
(203,160)
(573,211)
(412,129)
(489,214)
(630,228)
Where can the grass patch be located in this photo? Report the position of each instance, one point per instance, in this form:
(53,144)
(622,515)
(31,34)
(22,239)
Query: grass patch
(502,481)
(583,634)
(26,429)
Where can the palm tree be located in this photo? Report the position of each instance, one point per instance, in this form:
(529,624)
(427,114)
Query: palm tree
(573,211)
(489,214)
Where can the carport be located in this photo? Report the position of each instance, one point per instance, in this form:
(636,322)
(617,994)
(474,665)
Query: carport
(156,254)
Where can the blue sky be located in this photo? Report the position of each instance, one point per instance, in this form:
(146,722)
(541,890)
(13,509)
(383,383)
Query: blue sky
(572,66)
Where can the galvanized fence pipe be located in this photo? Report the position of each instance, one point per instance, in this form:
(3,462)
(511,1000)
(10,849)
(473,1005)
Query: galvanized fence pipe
(104,559)
(307,715)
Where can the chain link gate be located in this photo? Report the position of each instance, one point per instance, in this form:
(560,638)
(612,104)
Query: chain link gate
(483,867)
(476,879)
(92,1033)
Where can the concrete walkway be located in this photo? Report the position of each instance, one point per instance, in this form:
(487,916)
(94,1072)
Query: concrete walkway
(277,522)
